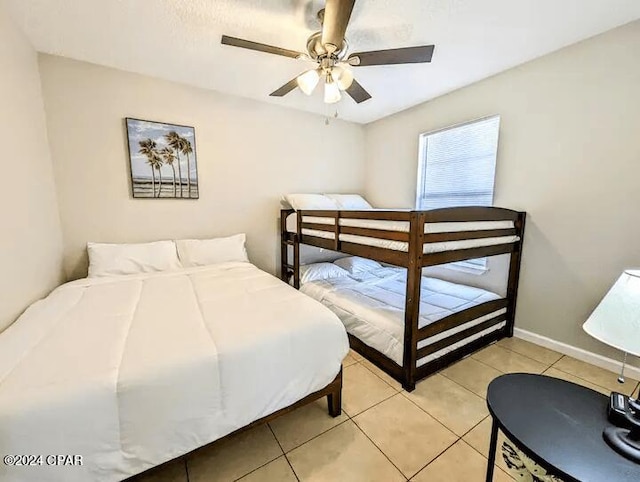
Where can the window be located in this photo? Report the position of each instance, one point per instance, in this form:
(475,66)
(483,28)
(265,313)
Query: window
(457,168)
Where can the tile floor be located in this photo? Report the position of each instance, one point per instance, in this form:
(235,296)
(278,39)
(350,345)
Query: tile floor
(384,433)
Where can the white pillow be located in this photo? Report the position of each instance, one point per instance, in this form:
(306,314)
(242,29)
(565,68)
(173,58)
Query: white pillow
(202,252)
(350,201)
(310,201)
(320,271)
(118,259)
(354,264)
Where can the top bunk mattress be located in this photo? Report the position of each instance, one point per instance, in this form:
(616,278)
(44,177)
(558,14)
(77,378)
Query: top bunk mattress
(133,371)
(403,226)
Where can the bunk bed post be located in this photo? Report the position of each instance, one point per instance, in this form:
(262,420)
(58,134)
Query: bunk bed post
(296,251)
(412,300)
(284,246)
(514,274)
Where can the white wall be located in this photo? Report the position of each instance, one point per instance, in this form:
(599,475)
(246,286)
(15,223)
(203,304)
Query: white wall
(569,155)
(249,154)
(30,240)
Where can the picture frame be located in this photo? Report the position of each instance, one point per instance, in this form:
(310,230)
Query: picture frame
(162,160)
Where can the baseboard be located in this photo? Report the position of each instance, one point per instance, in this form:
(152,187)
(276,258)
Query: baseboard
(578,353)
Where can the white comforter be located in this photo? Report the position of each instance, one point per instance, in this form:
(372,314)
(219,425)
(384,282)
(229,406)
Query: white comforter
(132,371)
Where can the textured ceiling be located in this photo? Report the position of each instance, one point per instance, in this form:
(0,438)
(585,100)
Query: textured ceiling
(179,40)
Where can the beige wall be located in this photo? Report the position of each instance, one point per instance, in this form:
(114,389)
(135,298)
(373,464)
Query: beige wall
(31,243)
(569,155)
(249,154)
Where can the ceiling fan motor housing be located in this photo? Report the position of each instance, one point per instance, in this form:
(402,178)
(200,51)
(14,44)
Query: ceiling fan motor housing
(317,50)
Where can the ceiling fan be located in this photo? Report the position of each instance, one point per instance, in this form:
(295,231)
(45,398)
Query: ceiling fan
(329,49)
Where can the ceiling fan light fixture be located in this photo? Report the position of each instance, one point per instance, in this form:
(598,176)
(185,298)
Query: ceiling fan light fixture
(308,81)
(331,91)
(343,77)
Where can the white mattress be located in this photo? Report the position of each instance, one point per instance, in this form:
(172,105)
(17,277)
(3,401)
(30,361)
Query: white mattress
(403,226)
(371,306)
(132,371)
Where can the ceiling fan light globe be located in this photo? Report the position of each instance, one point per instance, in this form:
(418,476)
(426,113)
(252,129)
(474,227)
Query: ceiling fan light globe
(331,92)
(345,80)
(308,81)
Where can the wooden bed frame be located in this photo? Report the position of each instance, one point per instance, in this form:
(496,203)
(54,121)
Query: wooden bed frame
(414,260)
(333,392)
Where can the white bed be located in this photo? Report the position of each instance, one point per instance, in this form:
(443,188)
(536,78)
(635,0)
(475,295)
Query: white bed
(403,226)
(371,305)
(132,371)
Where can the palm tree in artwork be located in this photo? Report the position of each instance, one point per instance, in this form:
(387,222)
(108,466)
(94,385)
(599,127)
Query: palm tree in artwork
(175,142)
(186,149)
(149,148)
(169,157)
(158,165)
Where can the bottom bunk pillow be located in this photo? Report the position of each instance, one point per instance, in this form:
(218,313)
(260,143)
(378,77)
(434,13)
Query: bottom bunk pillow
(133,371)
(356,264)
(372,305)
(320,271)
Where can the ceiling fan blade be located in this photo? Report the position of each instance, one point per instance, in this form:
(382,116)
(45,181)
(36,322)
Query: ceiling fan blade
(270,49)
(336,18)
(357,92)
(408,55)
(285,89)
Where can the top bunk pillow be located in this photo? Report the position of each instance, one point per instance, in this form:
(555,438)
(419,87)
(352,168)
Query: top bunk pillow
(350,201)
(311,201)
(320,271)
(120,259)
(354,264)
(203,252)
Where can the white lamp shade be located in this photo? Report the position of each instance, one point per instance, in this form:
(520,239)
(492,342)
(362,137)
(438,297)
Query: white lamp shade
(343,77)
(331,92)
(616,320)
(308,81)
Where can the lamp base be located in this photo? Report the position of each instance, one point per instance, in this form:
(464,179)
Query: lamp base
(623,441)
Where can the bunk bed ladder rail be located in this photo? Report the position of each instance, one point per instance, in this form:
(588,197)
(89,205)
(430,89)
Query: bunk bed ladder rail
(288,271)
(412,300)
(514,273)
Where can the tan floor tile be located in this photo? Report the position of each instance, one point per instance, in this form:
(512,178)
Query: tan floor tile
(407,435)
(342,453)
(479,439)
(536,352)
(555,373)
(437,395)
(356,356)
(381,374)
(349,360)
(472,374)
(171,472)
(362,389)
(235,457)
(593,374)
(508,361)
(301,425)
(276,471)
(460,463)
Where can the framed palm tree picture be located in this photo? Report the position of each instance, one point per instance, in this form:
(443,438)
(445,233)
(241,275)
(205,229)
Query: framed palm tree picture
(163,160)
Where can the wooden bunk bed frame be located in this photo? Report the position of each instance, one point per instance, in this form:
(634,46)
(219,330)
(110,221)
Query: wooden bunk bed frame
(414,260)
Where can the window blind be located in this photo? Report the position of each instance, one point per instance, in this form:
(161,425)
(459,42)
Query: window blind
(458,164)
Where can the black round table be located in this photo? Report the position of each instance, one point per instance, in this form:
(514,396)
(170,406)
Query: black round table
(559,425)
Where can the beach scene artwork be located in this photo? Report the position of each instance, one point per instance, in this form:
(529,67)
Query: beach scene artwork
(163,160)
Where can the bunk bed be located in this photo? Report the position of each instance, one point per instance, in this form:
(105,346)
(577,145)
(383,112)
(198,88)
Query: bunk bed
(415,240)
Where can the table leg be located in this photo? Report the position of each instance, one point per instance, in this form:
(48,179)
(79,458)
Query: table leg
(493,445)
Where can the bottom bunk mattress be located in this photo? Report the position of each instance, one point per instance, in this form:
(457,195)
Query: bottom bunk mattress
(371,305)
(131,371)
